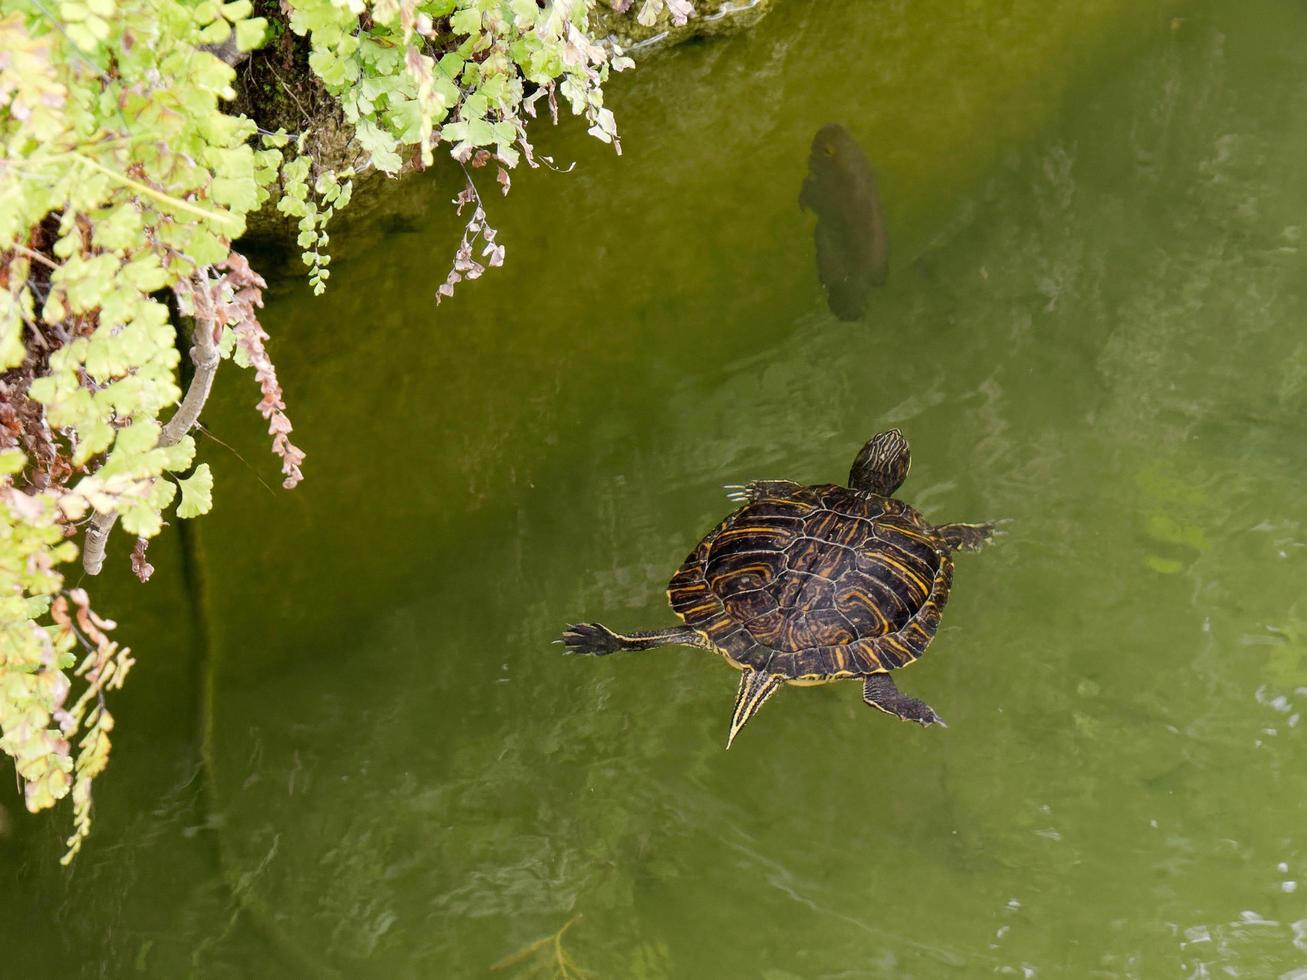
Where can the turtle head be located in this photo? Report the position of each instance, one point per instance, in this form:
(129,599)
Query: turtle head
(883,464)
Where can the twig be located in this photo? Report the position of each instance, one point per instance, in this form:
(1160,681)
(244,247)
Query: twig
(232,449)
(307,118)
(225,217)
(561,963)
(561,959)
(204,355)
(72,45)
(36,256)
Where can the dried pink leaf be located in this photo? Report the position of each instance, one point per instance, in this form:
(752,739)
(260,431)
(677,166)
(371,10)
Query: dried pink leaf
(246,290)
(140,565)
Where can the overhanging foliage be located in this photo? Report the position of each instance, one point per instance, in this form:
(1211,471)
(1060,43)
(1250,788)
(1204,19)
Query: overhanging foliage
(125,183)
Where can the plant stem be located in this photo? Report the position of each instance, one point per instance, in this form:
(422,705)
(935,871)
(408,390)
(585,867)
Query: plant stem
(222,217)
(204,355)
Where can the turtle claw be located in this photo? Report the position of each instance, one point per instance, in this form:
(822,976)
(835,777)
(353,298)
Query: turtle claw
(969,537)
(921,713)
(589,638)
(879,692)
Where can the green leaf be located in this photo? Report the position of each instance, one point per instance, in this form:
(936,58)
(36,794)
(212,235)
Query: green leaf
(380,146)
(237,194)
(140,437)
(216,33)
(161,494)
(474,107)
(197,493)
(82,37)
(454,132)
(118,230)
(480,132)
(466,21)
(179,455)
(141,519)
(451,64)
(12,461)
(53,311)
(146,273)
(43,390)
(96,435)
(275,140)
(250,34)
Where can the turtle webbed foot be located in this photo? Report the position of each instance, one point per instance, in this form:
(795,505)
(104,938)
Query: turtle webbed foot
(751,493)
(594,639)
(922,713)
(969,537)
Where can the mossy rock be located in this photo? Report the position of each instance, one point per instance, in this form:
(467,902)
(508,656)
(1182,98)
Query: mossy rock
(278,90)
(711,17)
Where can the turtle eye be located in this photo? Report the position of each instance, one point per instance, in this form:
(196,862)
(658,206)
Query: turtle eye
(830,150)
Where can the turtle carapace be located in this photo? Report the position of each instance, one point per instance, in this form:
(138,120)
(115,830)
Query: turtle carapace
(811,584)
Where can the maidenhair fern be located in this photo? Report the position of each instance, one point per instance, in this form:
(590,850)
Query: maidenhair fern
(123,186)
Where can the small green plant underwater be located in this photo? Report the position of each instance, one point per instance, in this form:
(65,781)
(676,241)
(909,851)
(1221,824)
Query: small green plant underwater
(125,182)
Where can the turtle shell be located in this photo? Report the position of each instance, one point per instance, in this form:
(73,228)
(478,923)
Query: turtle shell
(817,583)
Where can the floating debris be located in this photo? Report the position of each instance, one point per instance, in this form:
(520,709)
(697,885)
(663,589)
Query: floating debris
(546,957)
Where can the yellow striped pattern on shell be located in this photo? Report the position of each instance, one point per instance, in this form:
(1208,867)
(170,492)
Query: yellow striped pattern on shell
(817,583)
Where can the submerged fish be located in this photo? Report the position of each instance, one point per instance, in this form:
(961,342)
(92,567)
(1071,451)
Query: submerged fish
(852,247)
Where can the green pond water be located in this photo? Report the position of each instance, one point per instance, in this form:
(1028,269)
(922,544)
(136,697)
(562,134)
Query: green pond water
(349,748)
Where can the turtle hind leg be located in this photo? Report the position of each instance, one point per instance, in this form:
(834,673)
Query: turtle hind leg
(879,692)
(599,641)
(756,686)
(967,537)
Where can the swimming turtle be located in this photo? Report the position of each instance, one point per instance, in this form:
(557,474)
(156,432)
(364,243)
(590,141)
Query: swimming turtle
(810,584)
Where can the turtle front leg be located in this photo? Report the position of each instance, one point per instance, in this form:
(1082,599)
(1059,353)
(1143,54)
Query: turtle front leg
(751,493)
(599,641)
(967,537)
(879,692)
